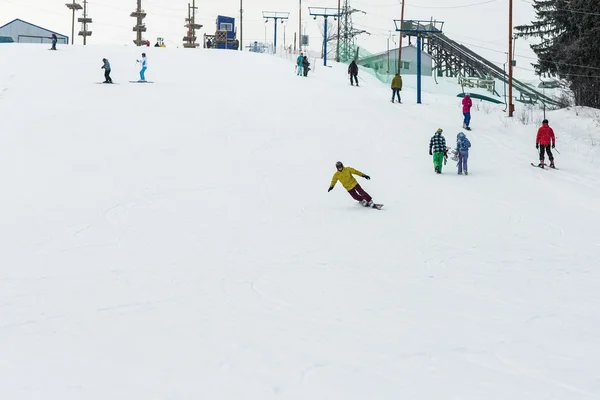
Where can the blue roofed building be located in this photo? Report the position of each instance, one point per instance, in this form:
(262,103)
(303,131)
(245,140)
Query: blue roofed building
(19,31)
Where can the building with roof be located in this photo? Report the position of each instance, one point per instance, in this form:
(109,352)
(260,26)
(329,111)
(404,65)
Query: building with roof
(387,61)
(19,31)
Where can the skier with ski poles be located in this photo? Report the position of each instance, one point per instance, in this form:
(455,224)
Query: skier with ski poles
(345,176)
(144,63)
(106,68)
(353,72)
(544,140)
(437,149)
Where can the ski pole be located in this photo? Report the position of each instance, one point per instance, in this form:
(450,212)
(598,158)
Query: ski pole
(556,150)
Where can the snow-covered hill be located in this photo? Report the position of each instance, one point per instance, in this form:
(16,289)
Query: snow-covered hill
(176,240)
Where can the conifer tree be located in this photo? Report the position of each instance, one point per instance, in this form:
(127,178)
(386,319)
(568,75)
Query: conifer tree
(568,47)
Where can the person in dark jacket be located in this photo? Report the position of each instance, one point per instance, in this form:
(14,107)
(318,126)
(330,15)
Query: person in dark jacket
(544,140)
(54,40)
(353,72)
(106,68)
(305,66)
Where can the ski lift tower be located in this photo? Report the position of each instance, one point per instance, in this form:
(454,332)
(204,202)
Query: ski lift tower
(275,15)
(324,12)
(419,28)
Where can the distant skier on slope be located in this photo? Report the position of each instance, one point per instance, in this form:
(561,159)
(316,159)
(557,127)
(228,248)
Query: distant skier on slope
(396,87)
(144,64)
(345,176)
(437,149)
(353,72)
(299,64)
(462,147)
(467,103)
(106,68)
(54,41)
(544,139)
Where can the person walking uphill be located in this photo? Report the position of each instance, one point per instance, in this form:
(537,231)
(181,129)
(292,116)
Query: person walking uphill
(462,146)
(544,140)
(437,149)
(299,64)
(106,68)
(396,87)
(144,63)
(467,103)
(353,72)
(345,176)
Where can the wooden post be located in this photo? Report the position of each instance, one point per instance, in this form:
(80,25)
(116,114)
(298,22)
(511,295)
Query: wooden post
(400,41)
(511,107)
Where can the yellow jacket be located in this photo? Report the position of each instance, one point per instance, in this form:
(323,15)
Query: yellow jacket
(397,82)
(345,176)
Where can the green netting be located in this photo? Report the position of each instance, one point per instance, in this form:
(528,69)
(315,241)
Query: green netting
(377,65)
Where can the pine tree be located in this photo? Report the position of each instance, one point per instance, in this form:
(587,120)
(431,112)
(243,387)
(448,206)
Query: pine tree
(568,47)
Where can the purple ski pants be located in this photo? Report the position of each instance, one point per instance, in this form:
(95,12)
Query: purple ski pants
(359,194)
(463,157)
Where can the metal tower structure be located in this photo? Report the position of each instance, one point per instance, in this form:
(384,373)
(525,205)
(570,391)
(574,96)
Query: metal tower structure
(139,27)
(189,41)
(73,7)
(324,12)
(275,16)
(348,34)
(84,24)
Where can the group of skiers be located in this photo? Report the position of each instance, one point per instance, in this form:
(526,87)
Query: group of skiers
(107,69)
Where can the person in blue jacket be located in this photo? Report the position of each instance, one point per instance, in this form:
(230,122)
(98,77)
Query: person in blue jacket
(144,63)
(462,147)
(106,68)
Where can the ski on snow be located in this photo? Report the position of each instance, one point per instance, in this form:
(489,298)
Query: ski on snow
(537,166)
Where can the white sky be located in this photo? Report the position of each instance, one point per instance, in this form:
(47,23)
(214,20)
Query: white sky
(482,23)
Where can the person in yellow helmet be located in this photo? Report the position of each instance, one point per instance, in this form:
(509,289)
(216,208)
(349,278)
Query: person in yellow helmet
(345,176)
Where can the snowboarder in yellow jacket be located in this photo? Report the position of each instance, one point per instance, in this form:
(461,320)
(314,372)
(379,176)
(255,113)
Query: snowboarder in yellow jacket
(345,176)
(396,87)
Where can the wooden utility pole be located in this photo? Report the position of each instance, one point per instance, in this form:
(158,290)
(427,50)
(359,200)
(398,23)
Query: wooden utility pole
(189,41)
(400,41)
(241,25)
(300,27)
(337,53)
(511,106)
(73,7)
(139,27)
(85,21)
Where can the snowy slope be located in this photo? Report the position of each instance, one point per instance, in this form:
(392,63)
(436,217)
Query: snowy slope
(176,240)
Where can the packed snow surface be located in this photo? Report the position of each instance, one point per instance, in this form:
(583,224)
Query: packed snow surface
(176,240)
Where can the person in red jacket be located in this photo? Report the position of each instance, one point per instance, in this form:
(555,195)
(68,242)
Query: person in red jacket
(467,104)
(544,139)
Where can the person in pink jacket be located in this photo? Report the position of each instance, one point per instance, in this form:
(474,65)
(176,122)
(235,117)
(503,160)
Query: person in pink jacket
(467,104)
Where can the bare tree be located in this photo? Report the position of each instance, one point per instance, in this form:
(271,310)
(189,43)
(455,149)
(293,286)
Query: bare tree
(332,37)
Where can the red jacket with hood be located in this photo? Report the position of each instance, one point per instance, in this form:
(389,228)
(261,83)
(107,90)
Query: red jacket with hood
(545,135)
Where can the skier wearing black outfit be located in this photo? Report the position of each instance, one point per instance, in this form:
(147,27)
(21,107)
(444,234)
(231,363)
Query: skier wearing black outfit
(353,72)
(305,66)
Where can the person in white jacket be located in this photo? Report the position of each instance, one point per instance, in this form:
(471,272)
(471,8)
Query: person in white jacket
(144,62)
